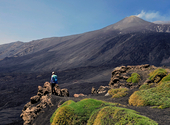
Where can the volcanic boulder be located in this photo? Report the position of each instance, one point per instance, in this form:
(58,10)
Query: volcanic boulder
(64,92)
(47,88)
(93,91)
(57,90)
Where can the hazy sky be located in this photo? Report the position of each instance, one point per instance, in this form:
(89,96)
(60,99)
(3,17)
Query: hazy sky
(26,20)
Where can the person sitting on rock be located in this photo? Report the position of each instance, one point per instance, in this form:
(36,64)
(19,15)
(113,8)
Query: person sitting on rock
(53,81)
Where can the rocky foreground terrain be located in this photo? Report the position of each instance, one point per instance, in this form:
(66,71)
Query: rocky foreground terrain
(43,105)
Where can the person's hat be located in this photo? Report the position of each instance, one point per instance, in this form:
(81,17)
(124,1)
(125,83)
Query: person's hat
(53,72)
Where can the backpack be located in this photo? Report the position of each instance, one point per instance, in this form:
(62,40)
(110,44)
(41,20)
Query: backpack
(55,78)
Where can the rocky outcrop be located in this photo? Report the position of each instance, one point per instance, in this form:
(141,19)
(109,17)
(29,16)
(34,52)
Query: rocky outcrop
(101,89)
(40,101)
(64,92)
(30,111)
(120,75)
(57,90)
(35,99)
(93,91)
(46,88)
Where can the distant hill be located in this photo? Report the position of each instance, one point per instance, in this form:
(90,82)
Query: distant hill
(129,41)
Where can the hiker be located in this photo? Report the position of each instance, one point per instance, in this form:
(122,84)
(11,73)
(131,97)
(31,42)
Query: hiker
(53,81)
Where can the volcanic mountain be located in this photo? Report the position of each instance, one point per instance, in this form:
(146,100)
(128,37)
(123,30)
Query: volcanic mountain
(129,41)
(80,61)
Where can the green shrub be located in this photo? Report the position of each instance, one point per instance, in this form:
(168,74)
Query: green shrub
(165,79)
(157,96)
(135,78)
(93,116)
(119,92)
(82,110)
(96,112)
(158,72)
(118,116)
(65,103)
(64,116)
(144,86)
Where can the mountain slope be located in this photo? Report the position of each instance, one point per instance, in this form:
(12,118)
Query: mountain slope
(129,41)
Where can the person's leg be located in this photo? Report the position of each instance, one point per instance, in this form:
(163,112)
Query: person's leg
(52,87)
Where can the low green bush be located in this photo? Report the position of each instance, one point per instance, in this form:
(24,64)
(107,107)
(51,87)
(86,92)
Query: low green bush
(96,112)
(64,116)
(65,103)
(109,115)
(157,96)
(119,92)
(135,78)
(165,79)
(158,72)
(82,110)
(144,86)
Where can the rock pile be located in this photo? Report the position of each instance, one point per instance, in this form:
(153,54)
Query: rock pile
(30,111)
(60,92)
(93,91)
(101,89)
(119,76)
(38,102)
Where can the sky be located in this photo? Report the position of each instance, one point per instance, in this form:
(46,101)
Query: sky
(27,20)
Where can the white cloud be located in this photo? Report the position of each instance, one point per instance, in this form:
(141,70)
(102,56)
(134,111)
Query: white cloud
(151,16)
